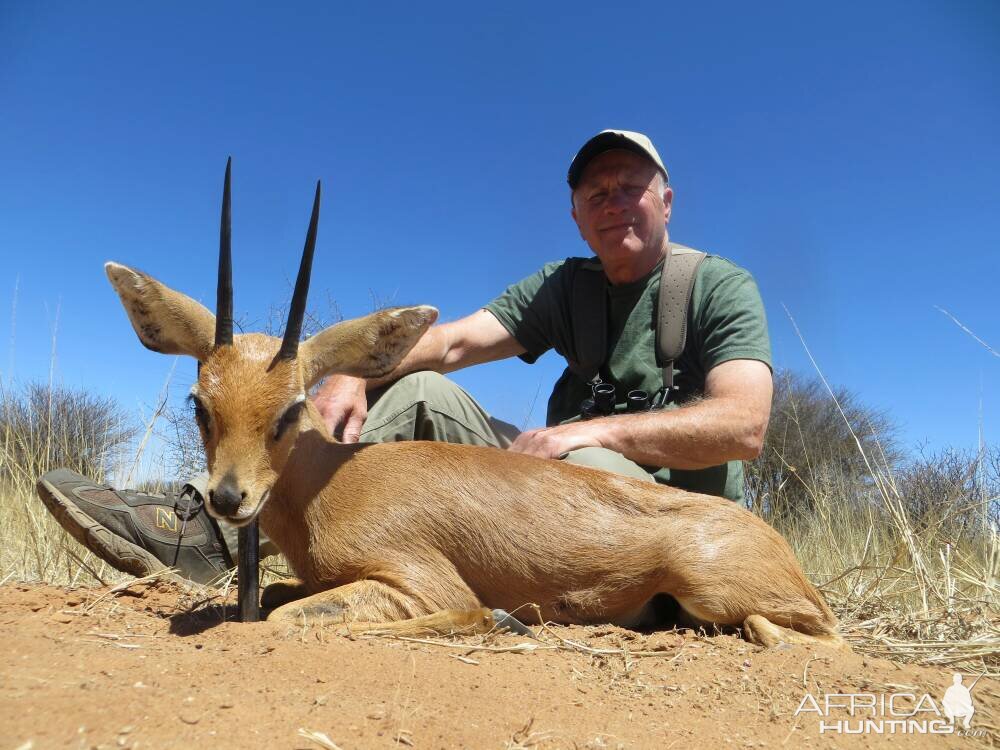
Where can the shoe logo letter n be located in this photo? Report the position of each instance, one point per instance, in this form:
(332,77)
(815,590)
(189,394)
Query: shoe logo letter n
(166,519)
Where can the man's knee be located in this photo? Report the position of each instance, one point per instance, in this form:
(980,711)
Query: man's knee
(427,382)
(608,460)
(425,386)
(428,406)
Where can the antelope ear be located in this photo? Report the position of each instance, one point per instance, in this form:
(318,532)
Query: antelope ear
(164,320)
(367,347)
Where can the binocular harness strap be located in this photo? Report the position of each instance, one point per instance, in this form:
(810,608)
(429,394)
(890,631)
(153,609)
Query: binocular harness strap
(680,266)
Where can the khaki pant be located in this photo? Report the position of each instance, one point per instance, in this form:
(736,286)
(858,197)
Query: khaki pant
(428,406)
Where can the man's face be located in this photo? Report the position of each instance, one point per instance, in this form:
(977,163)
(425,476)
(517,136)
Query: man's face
(621,208)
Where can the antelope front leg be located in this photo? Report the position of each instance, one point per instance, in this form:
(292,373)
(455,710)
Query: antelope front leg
(372,605)
(282,592)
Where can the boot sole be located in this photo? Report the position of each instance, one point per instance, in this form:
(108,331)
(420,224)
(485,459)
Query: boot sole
(119,553)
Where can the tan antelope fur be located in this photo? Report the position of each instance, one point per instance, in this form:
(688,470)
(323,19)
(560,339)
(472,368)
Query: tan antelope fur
(432,536)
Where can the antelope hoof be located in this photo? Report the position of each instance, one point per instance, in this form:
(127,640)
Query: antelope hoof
(762,632)
(505,621)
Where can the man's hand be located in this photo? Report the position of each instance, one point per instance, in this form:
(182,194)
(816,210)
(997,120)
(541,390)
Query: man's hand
(554,442)
(343,405)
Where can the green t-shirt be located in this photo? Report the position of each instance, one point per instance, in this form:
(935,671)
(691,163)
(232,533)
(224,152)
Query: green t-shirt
(725,321)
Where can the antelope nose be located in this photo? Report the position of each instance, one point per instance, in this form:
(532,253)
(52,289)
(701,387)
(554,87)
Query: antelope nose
(226,498)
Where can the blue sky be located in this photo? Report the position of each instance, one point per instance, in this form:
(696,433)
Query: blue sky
(846,153)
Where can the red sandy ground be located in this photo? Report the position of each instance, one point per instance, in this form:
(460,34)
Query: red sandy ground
(88,668)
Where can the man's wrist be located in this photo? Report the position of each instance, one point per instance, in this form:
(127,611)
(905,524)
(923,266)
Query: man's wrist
(621,433)
(597,433)
(336,382)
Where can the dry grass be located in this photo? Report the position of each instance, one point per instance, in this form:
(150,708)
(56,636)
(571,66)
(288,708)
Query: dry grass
(919,597)
(910,581)
(913,574)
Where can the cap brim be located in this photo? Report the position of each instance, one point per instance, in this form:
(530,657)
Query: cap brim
(598,145)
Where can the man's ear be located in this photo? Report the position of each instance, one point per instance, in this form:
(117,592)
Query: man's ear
(668,203)
(579,229)
(367,347)
(164,320)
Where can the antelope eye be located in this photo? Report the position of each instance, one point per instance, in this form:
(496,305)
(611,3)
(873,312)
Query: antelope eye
(289,418)
(200,413)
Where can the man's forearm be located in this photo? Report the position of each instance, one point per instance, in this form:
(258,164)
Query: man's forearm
(706,433)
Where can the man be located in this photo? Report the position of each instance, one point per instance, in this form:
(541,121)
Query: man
(621,203)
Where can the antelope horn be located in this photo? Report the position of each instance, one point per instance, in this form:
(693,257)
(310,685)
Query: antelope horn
(224,298)
(297,308)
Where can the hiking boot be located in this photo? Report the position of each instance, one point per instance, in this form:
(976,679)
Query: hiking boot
(135,532)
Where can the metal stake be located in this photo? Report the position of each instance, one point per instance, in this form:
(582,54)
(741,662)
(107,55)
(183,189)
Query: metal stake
(248,571)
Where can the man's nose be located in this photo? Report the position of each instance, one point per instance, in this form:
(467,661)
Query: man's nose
(617,201)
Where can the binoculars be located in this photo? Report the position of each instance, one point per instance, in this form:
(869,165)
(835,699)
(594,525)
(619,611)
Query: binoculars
(603,402)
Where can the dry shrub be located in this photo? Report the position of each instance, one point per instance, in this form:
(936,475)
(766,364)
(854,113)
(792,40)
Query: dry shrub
(43,427)
(185,453)
(810,447)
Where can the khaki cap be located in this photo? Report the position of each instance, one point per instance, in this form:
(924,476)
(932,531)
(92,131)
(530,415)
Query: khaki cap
(607,140)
